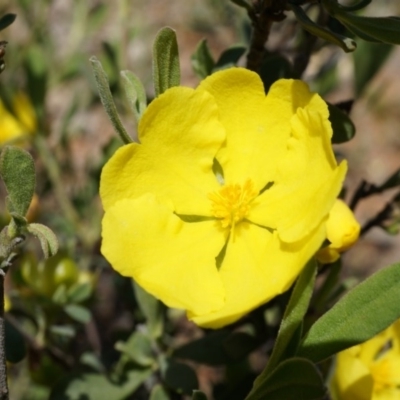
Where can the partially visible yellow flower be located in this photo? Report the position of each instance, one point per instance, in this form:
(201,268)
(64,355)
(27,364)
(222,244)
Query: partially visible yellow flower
(19,125)
(371,370)
(342,230)
(7,303)
(225,199)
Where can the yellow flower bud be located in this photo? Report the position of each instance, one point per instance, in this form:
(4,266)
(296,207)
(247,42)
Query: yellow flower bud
(342,231)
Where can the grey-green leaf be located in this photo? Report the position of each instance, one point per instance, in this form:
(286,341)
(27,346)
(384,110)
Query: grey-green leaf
(202,61)
(229,57)
(135,93)
(344,42)
(166,69)
(138,348)
(152,310)
(292,319)
(293,379)
(107,100)
(159,393)
(47,238)
(78,313)
(361,314)
(18,172)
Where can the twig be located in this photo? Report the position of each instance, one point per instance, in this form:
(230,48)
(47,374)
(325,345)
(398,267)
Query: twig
(262,15)
(3,364)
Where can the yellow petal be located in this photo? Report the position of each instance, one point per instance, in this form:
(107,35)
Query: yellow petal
(171,259)
(308,179)
(257,126)
(180,134)
(257,267)
(352,379)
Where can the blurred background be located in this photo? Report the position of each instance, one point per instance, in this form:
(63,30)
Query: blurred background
(50,106)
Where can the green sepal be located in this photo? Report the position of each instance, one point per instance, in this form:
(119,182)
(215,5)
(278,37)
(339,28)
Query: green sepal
(166,69)
(7,20)
(202,60)
(107,100)
(361,314)
(293,379)
(344,42)
(47,238)
(342,126)
(18,172)
(291,322)
(135,93)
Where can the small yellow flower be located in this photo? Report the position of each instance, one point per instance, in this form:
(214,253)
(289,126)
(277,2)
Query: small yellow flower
(16,126)
(371,370)
(342,230)
(225,199)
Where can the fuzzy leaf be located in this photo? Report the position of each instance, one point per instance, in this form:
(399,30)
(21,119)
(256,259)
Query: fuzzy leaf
(202,61)
(47,238)
(166,70)
(135,93)
(18,172)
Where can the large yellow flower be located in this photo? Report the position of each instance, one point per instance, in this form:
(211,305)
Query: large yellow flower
(225,199)
(371,370)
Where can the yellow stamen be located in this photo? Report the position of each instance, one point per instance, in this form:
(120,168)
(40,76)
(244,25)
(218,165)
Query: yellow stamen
(231,204)
(384,374)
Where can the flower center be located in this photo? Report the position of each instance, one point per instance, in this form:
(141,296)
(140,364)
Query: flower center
(231,204)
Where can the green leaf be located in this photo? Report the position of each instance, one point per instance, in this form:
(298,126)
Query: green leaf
(292,319)
(92,386)
(197,395)
(202,60)
(14,344)
(18,172)
(159,393)
(47,238)
(293,379)
(67,331)
(7,20)
(362,313)
(342,126)
(384,29)
(229,57)
(135,93)
(368,59)
(180,377)
(79,292)
(152,310)
(138,348)
(78,313)
(107,100)
(274,66)
(166,70)
(344,42)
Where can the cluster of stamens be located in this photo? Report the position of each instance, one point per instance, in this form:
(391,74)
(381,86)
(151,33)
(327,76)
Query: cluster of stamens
(231,204)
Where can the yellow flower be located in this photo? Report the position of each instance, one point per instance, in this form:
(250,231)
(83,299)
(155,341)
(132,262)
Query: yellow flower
(342,230)
(225,199)
(15,127)
(371,370)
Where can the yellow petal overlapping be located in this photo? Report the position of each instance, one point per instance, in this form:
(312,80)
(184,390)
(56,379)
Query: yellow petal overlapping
(220,243)
(370,371)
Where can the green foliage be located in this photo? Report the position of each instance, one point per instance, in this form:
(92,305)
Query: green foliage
(107,100)
(293,379)
(342,126)
(202,60)
(166,69)
(47,238)
(135,93)
(18,172)
(179,377)
(354,319)
(7,20)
